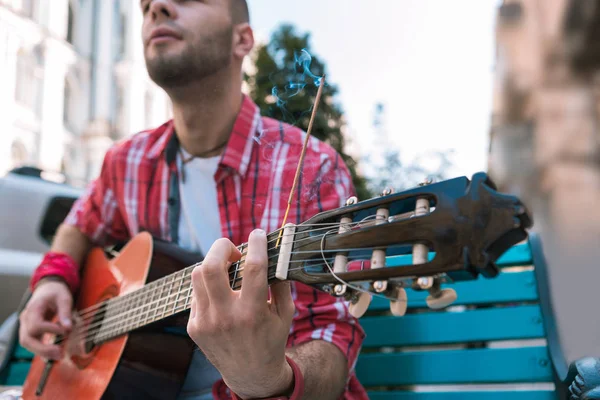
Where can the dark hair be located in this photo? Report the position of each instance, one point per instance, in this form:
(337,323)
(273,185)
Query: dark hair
(239,11)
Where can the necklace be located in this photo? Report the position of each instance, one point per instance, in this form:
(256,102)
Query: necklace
(191,156)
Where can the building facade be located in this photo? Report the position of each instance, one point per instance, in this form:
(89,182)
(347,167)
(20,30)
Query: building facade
(73,81)
(545,146)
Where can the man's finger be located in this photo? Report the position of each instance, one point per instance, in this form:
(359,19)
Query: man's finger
(35,345)
(255,290)
(281,298)
(215,271)
(64,303)
(42,327)
(198,291)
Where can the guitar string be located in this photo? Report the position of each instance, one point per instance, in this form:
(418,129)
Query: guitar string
(111,330)
(143,291)
(117,319)
(119,322)
(182,280)
(162,281)
(186,297)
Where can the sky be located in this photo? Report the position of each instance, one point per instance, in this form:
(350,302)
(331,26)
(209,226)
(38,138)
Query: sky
(430,62)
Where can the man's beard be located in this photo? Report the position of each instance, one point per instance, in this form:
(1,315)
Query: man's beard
(195,63)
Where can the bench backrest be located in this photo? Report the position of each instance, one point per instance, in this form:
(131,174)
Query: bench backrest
(490,344)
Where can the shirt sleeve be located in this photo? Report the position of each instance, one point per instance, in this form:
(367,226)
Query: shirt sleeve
(320,316)
(96,213)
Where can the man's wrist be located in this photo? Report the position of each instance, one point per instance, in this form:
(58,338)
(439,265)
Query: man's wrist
(59,265)
(291,386)
(51,278)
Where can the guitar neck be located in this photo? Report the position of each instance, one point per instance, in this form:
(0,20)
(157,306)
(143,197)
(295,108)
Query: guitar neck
(158,300)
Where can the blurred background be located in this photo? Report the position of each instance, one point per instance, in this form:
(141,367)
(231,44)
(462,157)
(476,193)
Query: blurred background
(416,88)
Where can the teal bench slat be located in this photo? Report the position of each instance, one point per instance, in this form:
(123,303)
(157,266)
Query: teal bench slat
(515,256)
(17,373)
(496,365)
(524,322)
(468,395)
(21,353)
(507,287)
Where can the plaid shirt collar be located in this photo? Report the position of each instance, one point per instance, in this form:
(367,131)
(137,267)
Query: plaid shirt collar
(236,157)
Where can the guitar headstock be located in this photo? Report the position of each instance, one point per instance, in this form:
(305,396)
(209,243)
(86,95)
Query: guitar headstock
(466,224)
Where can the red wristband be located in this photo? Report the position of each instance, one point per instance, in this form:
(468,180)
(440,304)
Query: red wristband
(296,394)
(57,264)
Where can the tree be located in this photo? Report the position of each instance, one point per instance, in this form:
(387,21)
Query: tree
(392,171)
(284,86)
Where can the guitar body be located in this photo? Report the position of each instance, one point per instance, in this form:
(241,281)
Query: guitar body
(148,362)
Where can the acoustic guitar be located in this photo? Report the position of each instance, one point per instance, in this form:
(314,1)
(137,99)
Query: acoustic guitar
(132,303)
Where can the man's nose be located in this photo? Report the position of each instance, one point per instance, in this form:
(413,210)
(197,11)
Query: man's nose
(162,9)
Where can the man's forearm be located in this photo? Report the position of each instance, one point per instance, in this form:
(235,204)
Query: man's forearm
(71,241)
(324,368)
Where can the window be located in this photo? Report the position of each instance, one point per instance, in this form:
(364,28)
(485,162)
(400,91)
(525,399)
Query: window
(68,96)
(29,83)
(148,108)
(70,22)
(119,31)
(18,154)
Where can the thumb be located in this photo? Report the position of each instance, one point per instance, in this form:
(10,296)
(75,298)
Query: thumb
(281,298)
(64,303)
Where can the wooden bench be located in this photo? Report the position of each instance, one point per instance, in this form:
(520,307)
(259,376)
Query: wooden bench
(490,344)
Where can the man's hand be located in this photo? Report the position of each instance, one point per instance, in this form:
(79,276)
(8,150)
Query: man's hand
(50,298)
(241,332)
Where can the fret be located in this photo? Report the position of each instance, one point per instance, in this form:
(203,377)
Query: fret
(152,306)
(137,309)
(236,267)
(177,297)
(169,280)
(188,297)
(130,306)
(161,298)
(181,292)
(189,290)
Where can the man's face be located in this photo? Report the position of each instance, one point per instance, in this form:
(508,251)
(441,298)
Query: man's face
(186,40)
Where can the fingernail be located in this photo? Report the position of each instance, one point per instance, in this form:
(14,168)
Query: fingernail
(259,232)
(65,322)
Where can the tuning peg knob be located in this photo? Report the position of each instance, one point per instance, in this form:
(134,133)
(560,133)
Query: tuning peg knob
(441,299)
(352,200)
(387,191)
(359,307)
(398,307)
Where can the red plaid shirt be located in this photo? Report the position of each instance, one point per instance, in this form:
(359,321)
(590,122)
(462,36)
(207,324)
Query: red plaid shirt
(137,190)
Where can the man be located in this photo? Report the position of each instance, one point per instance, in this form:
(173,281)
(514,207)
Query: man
(215,175)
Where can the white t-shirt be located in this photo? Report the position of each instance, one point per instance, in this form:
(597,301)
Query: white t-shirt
(199,220)
(199,227)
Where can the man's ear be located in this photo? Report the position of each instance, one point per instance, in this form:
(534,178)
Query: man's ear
(243,40)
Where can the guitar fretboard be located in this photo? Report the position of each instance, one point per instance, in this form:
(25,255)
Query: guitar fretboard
(157,300)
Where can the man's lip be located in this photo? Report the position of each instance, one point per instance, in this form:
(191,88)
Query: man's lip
(164,33)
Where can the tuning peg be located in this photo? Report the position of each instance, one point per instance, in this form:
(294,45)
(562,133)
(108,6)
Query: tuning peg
(398,307)
(442,298)
(428,181)
(438,297)
(387,191)
(379,255)
(359,306)
(341,259)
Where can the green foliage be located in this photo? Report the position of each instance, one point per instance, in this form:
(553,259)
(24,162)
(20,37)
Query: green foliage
(394,173)
(276,67)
